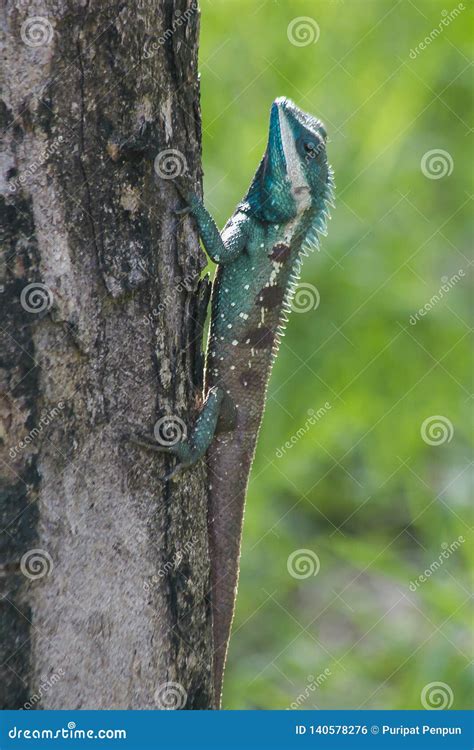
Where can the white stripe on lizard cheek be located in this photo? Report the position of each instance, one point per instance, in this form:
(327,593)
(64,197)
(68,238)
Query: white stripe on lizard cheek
(293,164)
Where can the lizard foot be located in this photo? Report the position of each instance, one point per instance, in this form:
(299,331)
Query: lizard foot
(171,474)
(146,442)
(182,211)
(149,444)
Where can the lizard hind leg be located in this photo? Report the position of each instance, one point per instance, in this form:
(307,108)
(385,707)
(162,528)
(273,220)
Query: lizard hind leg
(205,426)
(196,443)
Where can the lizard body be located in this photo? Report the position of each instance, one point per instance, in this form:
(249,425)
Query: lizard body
(259,256)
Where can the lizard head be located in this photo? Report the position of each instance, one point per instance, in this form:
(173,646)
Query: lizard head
(294,173)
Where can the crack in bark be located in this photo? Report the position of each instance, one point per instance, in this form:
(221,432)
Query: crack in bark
(99,252)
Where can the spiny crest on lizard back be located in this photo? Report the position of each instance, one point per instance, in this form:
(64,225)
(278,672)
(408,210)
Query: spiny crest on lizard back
(314,225)
(294,174)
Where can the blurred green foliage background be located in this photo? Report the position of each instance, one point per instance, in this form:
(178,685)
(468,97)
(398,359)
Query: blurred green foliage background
(361,489)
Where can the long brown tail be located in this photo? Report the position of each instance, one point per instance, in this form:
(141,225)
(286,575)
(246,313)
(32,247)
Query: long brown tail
(226,512)
(224,580)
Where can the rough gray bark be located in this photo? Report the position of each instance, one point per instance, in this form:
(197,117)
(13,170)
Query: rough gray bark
(112,608)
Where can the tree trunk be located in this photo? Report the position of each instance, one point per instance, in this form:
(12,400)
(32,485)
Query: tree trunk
(104,568)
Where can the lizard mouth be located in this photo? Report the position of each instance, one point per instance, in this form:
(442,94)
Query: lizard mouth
(303,118)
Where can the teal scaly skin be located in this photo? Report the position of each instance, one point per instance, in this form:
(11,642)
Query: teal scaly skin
(259,255)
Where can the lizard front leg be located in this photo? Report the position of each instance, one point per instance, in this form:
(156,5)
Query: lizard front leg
(221,248)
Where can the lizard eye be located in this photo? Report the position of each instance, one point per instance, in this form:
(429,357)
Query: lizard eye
(310,148)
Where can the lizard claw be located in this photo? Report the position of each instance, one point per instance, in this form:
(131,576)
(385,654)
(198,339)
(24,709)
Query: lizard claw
(171,473)
(144,441)
(147,443)
(182,211)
